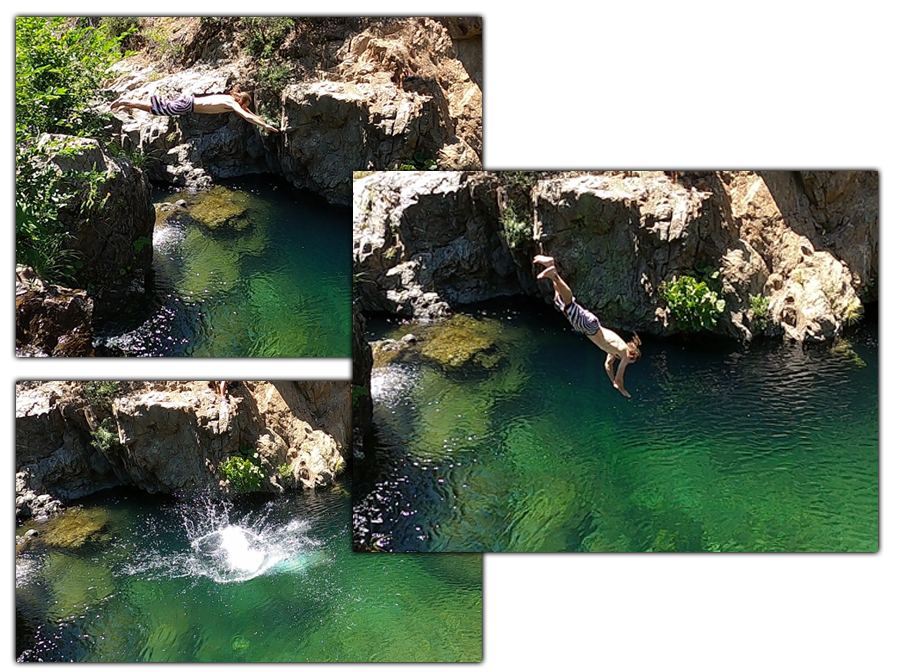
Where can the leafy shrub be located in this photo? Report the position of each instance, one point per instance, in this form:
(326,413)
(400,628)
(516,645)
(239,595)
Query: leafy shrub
(359,392)
(106,437)
(245,474)
(759,306)
(101,392)
(59,68)
(516,230)
(692,303)
(284,472)
(265,34)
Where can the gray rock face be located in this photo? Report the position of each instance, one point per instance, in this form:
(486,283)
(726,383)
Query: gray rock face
(172,437)
(110,218)
(424,241)
(804,244)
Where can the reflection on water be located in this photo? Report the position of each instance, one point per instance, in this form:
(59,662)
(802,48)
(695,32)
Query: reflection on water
(274,284)
(203,580)
(771,447)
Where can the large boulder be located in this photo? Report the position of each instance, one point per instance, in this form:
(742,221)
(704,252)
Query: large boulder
(425,241)
(110,215)
(51,320)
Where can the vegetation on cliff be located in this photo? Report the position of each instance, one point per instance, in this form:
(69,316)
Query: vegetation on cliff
(60,66)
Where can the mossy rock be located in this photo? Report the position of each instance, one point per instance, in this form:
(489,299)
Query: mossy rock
(220,207)
(72,529)
(461,339)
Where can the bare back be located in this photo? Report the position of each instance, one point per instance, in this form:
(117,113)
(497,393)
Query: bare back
(215,103)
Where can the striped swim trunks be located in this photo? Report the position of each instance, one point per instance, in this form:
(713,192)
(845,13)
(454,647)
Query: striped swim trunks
(175,107)
(582,321)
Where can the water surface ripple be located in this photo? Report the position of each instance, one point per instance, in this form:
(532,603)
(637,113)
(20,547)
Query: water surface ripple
(767,447)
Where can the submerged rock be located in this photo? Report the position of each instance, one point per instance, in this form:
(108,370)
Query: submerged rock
(219,207)
(71,529)
(455,342)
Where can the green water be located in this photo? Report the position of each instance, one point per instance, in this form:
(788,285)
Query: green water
(770,447)
(272,283)
(149,587)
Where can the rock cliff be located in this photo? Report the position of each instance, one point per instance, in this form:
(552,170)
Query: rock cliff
(793,253)
(169,437)
(110,214)
(361,93)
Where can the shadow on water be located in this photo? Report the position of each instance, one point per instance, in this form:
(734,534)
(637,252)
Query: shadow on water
(722,447)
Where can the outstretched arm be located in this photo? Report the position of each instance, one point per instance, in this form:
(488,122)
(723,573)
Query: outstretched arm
(609,368)
(252,118)
(619,382)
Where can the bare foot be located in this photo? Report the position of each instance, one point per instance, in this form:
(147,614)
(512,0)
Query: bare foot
(544,260)
(548,273)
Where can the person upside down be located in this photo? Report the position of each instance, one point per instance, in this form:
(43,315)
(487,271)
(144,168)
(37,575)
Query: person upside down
(213,103)
(585,322)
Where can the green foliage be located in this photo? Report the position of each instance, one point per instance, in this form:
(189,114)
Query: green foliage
(419,161)
(106,437)
(101,392)
(244,473)
(141,243)
(521,179)
(265,34)
(274,75)
(692,303)
(284,472)
(516,230)
(40,237)
(759,306)
(59,69)
(359,391)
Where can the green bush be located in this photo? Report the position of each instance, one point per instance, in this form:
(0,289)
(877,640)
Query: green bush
(59,68)
(101,392)
(285,473)
(759,306)
(265,34)
(692,303)
(106,437)
(245,474)
(516,230)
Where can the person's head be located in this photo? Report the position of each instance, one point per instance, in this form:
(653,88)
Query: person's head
(243,99)
(633,349)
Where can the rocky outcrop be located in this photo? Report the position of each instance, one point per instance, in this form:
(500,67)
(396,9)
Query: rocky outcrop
(51,320)
(110,214)
(392,91)
(804,245)
(167,437)
(425,241)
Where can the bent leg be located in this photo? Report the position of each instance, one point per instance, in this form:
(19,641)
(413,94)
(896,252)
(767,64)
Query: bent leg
(563,292)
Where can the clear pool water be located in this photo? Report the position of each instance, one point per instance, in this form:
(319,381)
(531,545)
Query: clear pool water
(276,286)
(723,447)
(191,580)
